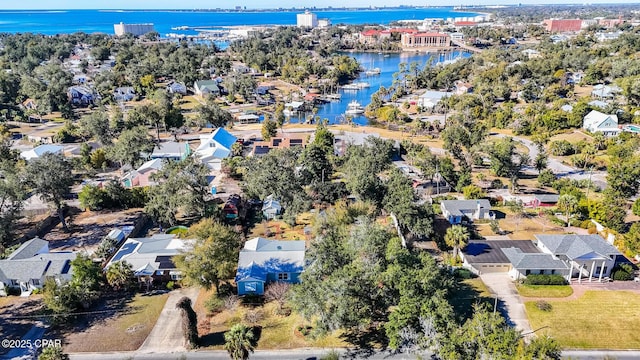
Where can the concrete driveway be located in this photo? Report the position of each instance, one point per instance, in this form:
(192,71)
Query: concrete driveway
(166,336)
(509,302)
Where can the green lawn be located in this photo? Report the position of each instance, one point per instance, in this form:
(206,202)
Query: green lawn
(598,319)
(545,291)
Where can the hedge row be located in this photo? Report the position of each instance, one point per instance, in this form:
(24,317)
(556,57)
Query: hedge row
(534,279)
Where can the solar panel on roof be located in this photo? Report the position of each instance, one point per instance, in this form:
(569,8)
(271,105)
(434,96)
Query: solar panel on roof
(165,262)
(126,249)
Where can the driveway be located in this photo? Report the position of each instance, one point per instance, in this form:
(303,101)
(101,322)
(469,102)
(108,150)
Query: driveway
(166,336)
(510,304)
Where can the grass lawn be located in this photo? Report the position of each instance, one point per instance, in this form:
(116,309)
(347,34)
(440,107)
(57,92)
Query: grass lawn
(598,319)
(277,332)
(124,332)
(545,291)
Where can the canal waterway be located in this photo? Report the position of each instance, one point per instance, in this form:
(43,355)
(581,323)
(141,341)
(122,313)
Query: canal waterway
(388,64)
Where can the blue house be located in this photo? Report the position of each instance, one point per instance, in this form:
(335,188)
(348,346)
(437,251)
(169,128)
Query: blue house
(263,261)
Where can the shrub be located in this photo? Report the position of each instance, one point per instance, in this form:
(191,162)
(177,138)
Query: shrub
(636,207)
(462,273)
(170,285)
(231,302)
(546,178)
(622,272)
(253,316)
(535,279)
(495,227)
(214,304)
(471,192)
(543,305)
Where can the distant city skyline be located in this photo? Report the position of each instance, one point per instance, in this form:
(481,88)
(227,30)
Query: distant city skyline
(257,4)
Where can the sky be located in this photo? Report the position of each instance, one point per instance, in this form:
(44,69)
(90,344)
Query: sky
(252,4)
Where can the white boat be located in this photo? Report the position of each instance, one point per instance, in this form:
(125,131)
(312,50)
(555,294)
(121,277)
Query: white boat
(350,87)
(354,108)
(184,27)
(373,72)
(362,85)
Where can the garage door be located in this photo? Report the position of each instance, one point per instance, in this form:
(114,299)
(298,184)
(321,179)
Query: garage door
(491,268)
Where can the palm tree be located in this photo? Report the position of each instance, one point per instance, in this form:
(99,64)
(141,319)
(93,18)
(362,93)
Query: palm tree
(239,342)
(568,204)
(457,237)
(120,275)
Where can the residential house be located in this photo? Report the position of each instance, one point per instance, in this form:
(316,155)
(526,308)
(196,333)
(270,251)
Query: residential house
(523,264)
(142,175)
(430,98)
(81,95)
(262,261)
(271,208)
(595,121)
(206,87)
(29,104)
(488,256)
(284,141)
(124,93)
(462,88)
(177,88)
(152,258)
(455,211)
(40,150)
(29,266)
(215,147)
(602,91)
(598,104)
(436,186)
(587,256)
(171,150)
(545,200)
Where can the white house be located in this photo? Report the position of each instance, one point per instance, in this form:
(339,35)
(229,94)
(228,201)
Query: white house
(31,264)
(602,91)
(587,256)
(151,258)
(206,87)
(38,151)
(456,210)
(271,208)
(215,147)
(125,93)
(595,121)
(430,99)
(523,264)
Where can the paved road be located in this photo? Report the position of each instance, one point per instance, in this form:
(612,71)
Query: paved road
(308,354)
(510,304)
(562,170)
(166,336)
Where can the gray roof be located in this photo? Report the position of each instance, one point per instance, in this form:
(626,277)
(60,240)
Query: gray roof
(521,260)
(28,249)
(169,149)
(456,207)
(146,255)
(547,198)
(578,246)
(488,251)
(49,264)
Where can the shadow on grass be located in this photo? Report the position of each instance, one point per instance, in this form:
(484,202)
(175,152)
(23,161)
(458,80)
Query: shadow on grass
(212,339)
(463,297)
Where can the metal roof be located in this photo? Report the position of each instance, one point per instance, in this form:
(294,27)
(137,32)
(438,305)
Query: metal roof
(456,207)
(521,260)
(576,246)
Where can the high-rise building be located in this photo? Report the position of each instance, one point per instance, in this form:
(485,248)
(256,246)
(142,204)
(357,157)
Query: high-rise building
(308,19)
(135,29)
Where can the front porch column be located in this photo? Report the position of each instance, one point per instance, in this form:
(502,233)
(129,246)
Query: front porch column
(601,271)
(593,266)
(570,272)
(580,273)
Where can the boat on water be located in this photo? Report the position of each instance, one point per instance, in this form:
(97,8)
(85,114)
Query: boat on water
(184,27)
(373,72)
(356,86)
(333,97)
(354,108)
